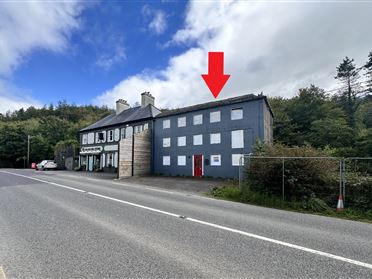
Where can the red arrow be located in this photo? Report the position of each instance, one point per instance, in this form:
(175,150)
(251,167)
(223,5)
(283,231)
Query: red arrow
(215,79)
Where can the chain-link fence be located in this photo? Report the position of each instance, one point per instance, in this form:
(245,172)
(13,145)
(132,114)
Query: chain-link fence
(299,178)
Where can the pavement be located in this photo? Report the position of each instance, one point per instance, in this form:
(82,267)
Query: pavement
(59,224)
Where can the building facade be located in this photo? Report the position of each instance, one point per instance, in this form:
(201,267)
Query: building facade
(202,140)
(99,142)
(208,139)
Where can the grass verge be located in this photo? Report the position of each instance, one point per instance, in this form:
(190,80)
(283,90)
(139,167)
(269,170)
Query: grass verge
(231,192)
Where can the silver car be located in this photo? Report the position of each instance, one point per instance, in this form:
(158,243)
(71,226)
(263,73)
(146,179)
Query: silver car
(46,165)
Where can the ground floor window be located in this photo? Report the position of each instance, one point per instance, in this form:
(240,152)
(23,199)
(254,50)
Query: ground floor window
(215,160)
(110,160)
(181,160)
(236,161)
(166,160)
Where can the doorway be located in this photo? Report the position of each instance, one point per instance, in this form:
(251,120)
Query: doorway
(198,165)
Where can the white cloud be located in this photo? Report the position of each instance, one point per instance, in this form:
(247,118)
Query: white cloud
(12,98)
(271,47)
(25,27)
(158,22)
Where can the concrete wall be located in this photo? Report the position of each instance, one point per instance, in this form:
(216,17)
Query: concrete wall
(135,155)
(252,124)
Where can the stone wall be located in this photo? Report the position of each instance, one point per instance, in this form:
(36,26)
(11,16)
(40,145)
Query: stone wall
(137,157)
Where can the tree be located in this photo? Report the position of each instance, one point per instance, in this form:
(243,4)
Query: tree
(368,68)
(348,74)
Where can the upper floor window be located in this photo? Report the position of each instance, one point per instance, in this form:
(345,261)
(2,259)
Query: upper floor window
(215,116)
(237,114)
(166,124)
(101,137)
(138,129)
(122,133)
(181,141)
(237,139)
(166,142)
(198,139)
(85,139)
(198,119)
(110,135)
(215,138)
(90,138)
(146,126)
(182,121)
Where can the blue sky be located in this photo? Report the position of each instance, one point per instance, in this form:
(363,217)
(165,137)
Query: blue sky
(102,52)
(99,51)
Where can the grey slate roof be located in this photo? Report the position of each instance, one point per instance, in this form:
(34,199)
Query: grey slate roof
(126,116)
(229,101)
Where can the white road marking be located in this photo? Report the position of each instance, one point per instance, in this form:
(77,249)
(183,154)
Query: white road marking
(2,273)
(251,235)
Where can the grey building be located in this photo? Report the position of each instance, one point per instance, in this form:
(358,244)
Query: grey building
(99,142)
(208,139)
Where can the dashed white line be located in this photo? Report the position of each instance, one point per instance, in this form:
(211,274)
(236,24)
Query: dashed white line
(251,235)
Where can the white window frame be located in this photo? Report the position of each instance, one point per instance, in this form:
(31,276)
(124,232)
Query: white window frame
(181,121)
(215,138)
(166,142)
(110,136)
(181,160)
(122,133)
(166,124)
(181,141)
(91,138)
(237,117)
(194,139)
(166,161)
(215,116)
(235,141)
(197,119)
(235,159)
(84,139)
(215,164)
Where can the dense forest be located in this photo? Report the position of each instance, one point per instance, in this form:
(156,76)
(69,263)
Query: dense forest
(47,126)
(339,120)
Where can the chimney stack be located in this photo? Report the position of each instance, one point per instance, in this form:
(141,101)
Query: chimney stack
(147,99)
(121,105)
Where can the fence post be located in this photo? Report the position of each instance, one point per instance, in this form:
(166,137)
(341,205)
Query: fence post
(283,178)
(240,175)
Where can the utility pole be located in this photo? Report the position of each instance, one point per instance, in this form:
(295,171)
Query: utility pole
(28,151)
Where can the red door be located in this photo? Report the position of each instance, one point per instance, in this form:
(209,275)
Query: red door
(198,165)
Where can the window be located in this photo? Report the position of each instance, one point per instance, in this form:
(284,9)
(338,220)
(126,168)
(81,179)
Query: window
(166,124)
(215,160)
(198,119)
(181,160)
(122,133)
(236,114)
(166,142)
(100,137)
(215,138)
(90,138)
(138,129)
(128,132)
(146,126)
(215,116)
(110,135)
(110,159)
(181,141)
(236,159)
(237,139)
(85,139)
(166,160)
(198,139)
(182,121)
(117,134)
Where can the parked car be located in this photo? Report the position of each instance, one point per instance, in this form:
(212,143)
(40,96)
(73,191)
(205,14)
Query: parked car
(46,165)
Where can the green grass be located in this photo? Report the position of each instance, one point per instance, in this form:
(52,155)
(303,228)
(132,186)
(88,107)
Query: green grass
(231,192)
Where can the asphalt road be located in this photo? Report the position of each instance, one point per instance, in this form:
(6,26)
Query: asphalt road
(58,224)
